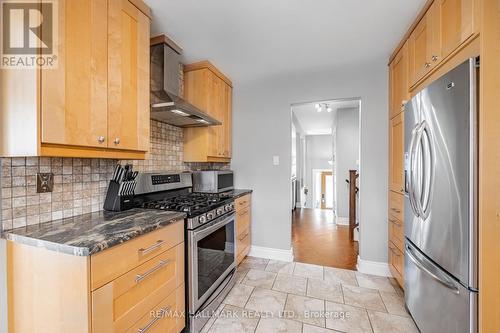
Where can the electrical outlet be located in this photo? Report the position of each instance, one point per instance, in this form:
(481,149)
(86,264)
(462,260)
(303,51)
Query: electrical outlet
(44,182)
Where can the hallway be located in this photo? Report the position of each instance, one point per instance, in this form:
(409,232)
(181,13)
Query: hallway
(317,240)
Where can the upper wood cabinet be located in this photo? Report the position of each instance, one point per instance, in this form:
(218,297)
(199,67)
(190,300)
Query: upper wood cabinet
(396,151)
(211,91)
(457,23)
(424,45)
(398,82)
(95,103)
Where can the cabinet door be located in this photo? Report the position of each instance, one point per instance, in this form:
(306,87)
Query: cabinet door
(398,78)
(128,77)
(228,120)
(396,160)
(74,95)
(457,23)
(214,109)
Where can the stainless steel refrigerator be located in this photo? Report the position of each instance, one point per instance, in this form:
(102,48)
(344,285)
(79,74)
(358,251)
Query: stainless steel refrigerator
(441,254)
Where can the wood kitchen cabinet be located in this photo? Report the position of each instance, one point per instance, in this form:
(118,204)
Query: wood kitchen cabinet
(398,82)
(126,288)
(211,91)
(456,23)
(95,103)
(243,207)
(396,152)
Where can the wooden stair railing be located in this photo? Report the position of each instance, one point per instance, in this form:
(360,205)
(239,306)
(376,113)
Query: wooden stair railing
(353,191)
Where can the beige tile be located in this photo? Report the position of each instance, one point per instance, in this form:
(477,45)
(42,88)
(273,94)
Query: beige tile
(212,319)
(238,296)
(363,297)
(233,319)
(261,279)
(290,284)
(256,263)
(266,301)
(374,282)
(324,289)
(394,303)
(315,329)
(240,274)
(343,276)
(346,318)
(396,287)
(308,270)
(306,309)
(388,323)
(278,325)
(281,267)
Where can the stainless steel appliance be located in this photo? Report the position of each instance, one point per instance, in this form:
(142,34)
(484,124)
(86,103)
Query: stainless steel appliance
(210,236)
(441,277)
(166,104)
(213,181)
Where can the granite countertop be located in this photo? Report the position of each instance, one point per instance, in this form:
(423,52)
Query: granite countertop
(91,233)
(240,192)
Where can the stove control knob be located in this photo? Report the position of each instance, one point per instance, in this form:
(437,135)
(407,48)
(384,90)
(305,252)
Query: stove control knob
(220,211)
(210,216)
(227,208)
(202,219)
(231,205)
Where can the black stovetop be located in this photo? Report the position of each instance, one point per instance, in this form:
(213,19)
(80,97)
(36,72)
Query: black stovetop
(191,203)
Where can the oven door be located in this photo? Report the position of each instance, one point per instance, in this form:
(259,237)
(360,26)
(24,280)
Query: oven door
(211,256)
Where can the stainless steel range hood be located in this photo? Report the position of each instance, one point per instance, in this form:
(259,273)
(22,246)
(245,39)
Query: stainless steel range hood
(166,105)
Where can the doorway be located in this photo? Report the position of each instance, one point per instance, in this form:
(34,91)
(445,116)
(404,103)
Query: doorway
(323,150)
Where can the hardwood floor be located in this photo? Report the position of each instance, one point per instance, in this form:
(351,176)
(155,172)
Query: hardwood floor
(317,240)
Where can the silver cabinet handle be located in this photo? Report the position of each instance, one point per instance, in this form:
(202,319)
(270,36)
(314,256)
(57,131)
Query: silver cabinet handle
(161,264)
(101,139)
(434,58)
(153,247)
(157,317)
(117,141)
(427,64)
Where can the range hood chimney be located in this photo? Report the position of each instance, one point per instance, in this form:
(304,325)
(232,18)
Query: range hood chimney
(166,105)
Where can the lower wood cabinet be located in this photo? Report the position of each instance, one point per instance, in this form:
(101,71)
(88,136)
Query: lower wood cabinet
(396,263)
(243,226)
(133,287)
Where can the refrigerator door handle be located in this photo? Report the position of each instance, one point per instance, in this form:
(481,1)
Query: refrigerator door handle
(411,173)
(430,271)
(429,159)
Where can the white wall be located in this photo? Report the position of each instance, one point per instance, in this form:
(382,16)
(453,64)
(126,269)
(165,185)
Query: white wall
(261,129)
(319,151)
(347,147)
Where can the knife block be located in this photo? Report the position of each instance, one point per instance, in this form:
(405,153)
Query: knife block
(115,201)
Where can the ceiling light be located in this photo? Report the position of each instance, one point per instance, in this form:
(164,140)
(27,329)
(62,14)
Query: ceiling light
(179,112)
(329,109)
(320,109)
(317,106)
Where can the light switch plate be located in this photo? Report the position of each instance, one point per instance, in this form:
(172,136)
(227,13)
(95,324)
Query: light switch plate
(276,160)
(44,182)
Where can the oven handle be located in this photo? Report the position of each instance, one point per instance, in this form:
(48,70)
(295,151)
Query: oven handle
(203,232)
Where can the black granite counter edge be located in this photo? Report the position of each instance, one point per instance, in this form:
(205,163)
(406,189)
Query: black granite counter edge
(89,250)
(237,193)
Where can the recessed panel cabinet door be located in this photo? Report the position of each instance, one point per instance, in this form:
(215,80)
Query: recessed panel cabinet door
(457,23)
(396,159)
(399,82)
(74,95)
(128,76)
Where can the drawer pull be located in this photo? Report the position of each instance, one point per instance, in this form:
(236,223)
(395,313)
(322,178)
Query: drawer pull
(159,315)
(161,264)
(243,203)
(151,248)
(396,210)
(243,237)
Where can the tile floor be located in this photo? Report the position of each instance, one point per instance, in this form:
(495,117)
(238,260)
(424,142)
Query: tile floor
(280,297)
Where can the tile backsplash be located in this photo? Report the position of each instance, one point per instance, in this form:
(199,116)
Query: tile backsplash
(79,184)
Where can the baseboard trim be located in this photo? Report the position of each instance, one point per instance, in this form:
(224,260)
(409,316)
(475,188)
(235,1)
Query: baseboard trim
(342,220)
(373,267)
(271,253)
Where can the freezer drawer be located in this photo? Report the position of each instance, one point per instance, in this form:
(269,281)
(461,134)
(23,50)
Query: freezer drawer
(436,301)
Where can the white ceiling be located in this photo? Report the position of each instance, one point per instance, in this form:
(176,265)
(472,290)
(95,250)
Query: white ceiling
(252,39)
(313,122)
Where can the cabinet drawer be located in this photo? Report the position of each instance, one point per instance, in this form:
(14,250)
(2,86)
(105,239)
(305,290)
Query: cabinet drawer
(396,232)
(243,202)
(130,296)
(396,258)
(242,220)
(243,245)
(109,264)
(165,317)
(396,201)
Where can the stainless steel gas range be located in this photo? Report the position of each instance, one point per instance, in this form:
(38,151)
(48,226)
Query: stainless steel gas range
(210,238)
